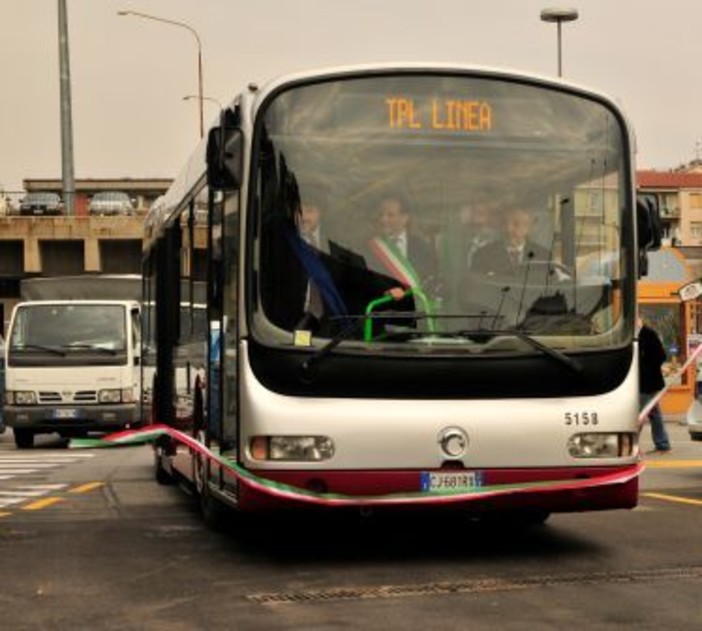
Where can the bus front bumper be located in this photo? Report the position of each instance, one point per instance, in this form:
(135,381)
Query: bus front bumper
(546,489)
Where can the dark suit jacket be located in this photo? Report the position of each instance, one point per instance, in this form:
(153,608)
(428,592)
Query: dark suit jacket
(493,258)
(651,357)
(423,258)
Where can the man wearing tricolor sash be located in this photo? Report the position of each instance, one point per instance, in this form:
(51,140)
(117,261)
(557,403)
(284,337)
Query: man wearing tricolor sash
(399,253)
(402,257)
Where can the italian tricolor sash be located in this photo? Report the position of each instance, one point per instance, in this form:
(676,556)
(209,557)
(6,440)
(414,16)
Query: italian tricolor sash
(396,263)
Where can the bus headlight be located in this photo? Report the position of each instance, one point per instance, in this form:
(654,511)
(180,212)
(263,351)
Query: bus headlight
(21,397)
(601,445)
(292,448)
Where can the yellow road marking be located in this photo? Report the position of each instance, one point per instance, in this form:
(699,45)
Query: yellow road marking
(43,503)
(84,488)
(673,498)
(673,464)
(5,514)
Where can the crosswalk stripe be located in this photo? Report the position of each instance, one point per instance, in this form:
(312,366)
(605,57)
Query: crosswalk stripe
(17,471)
(20,465)
(22,492)
(42,487)
(25,493)
(24,455)
(47,458)
(4,503)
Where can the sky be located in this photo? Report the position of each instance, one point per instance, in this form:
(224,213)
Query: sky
(129,75)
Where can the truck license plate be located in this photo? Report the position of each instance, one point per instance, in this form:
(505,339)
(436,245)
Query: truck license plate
(66,413)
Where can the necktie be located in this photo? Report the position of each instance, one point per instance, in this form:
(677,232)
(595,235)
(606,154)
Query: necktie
(314,302)
(514,257)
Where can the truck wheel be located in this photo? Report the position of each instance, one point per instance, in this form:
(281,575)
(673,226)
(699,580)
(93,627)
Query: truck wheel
(24,438)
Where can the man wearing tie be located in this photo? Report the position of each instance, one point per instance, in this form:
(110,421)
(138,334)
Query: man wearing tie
(310,228)
(513,252)
(415,261)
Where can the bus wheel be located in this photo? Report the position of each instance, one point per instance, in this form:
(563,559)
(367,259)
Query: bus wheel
(160,473)
(24,438)
(214,513)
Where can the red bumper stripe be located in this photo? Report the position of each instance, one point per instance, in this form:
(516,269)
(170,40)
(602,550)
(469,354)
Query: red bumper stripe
(292,493)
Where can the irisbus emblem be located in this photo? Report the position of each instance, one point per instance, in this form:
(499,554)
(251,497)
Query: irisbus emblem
(453,441)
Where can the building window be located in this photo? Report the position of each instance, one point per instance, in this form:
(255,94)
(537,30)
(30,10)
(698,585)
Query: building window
(696,229)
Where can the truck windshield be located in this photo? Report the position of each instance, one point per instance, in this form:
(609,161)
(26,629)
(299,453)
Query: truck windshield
(494,205)
(69,327)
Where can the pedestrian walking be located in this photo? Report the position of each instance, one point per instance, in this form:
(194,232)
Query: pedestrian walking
(652,355)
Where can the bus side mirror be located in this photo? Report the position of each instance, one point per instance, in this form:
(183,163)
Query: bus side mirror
(649,231)
(224,154)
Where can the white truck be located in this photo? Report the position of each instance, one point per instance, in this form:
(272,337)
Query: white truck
(72,366)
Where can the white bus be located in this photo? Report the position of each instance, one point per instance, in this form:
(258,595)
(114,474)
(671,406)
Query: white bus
(484,389)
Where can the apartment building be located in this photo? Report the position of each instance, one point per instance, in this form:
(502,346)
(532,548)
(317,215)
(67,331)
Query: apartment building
(679,195)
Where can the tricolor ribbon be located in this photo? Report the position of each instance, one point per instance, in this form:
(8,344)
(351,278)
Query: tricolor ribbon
(396,263)
(643,415)
(286,491)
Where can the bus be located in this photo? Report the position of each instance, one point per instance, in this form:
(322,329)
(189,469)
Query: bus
(499,392)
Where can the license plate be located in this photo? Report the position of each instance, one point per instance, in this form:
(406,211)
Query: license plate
(66,413)
(450,482)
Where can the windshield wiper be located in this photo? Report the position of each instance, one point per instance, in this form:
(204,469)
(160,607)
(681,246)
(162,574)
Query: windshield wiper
(39,347)
(90,347)
(307,366)
(357,321)
(549,351)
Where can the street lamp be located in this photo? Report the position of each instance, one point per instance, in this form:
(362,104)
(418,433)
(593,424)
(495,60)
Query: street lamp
(199,54)
(211,99)
(558,16)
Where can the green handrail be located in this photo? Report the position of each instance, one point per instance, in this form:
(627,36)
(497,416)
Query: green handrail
(426,303)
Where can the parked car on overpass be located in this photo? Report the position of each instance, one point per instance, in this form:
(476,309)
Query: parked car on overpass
(111,203)
(41,203)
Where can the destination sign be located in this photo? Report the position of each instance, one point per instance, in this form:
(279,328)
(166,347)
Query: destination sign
(439,114)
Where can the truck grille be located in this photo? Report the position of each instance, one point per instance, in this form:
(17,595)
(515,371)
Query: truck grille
(82,396)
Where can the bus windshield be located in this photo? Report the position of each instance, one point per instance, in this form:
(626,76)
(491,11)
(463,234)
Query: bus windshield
(442,211)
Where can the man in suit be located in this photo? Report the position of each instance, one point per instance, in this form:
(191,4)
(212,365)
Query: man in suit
(514,251)
(415,263)
(293,251)
(477,229)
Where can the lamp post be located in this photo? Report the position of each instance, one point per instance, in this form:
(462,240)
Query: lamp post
(148,16)
(559,16)
(191,97)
